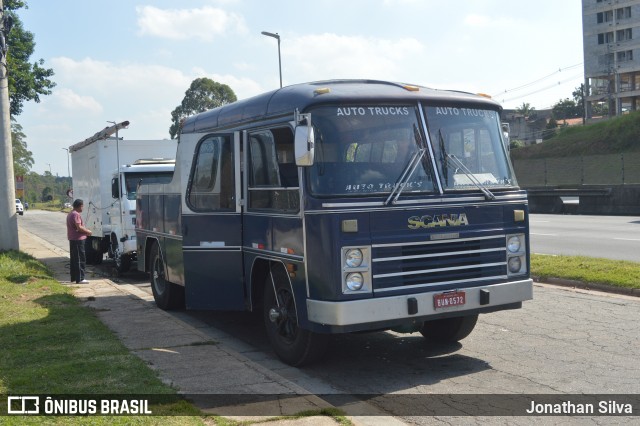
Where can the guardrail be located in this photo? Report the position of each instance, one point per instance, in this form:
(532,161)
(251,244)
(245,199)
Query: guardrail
(609,169)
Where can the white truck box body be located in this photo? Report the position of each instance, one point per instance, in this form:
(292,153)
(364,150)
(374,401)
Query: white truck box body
(94,165)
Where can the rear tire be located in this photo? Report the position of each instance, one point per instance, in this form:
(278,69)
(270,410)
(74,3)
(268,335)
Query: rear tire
(449,330)
(94,257)
(293,345)
(166,294)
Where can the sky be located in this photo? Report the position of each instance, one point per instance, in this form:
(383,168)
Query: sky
(133,60)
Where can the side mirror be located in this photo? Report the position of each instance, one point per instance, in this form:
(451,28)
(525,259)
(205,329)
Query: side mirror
(115,188)
(304,143)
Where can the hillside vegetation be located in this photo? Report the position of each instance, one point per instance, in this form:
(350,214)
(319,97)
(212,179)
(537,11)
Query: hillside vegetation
(618,135)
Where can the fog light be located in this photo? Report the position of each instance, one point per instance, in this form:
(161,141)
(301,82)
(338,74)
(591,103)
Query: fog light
(355,281)
(353,258)
(515,264)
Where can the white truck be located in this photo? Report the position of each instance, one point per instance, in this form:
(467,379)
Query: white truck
(106,172)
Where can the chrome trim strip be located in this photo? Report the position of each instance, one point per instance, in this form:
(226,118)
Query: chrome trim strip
(273,254)
(431,271)
(452,253)
(148,233)
(419,243)
(290,216)
(426,285)
(245,173)
(216,249)
(444,201)
(275,188)
(395,307)
(217,213)
(236,161)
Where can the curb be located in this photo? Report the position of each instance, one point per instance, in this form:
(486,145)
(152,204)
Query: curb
(103,285)
(635,292)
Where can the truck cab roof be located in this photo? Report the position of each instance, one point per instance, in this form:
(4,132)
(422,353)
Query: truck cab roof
(285,100)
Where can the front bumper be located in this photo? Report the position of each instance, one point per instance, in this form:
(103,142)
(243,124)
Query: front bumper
(391,309)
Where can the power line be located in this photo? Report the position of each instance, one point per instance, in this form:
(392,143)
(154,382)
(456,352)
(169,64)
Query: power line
(559,83)
(524,86)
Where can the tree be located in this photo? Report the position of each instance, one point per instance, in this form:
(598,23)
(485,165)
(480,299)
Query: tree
(203,94)
(550,129)
(22,157)
(526,110)
(566,108)
(578,98)
(27,81)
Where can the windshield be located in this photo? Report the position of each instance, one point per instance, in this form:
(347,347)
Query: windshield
(468,148)
(133,179)
(366,149)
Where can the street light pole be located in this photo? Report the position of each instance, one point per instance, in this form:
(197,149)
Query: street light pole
(68,167)
(277,37)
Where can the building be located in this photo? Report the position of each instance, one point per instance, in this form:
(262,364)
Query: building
(529,129)
(611,42)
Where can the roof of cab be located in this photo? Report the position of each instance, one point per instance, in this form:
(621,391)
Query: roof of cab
(301,96)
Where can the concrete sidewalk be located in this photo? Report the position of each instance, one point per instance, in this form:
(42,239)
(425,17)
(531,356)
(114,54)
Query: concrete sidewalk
(189,359)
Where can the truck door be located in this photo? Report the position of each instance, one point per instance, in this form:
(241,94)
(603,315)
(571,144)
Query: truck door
(212,226)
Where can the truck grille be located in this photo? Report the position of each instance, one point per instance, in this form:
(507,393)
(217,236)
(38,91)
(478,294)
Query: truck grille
(438,263)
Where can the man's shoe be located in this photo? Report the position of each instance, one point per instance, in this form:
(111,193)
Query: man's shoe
(83,282)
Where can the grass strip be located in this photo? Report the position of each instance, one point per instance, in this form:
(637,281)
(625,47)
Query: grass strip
(53,345)
(586,269)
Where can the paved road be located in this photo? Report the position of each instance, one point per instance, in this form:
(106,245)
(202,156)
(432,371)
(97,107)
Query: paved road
(610,237)
(562,342)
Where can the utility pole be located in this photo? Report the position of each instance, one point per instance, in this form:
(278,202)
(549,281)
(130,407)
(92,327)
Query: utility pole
(8,216)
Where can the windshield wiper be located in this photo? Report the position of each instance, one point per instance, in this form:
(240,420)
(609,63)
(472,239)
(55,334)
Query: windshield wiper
(408,170)
(488,195)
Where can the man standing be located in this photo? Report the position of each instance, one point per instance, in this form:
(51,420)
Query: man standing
(77,234)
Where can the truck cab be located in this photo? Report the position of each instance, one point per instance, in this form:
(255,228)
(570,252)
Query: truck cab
(120,233)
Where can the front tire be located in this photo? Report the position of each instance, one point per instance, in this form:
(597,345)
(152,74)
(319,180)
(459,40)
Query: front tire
(166,294)
(123,262)
(293,345)
(449,330)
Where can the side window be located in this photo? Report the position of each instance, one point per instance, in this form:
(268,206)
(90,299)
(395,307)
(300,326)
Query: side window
(212,179)
(272,172)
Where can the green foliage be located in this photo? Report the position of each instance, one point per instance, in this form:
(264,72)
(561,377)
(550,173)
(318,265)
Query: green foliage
(516,143)
(22,157)
(618,135)
(550,129)
(51,344)
(27,81)
(578,98)
(203,94)
(35,184)
(526,110)
(566,108)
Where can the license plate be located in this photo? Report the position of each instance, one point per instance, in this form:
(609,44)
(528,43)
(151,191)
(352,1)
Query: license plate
(448,300)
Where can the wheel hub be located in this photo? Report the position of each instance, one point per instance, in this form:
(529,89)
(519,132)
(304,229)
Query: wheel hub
(274,315)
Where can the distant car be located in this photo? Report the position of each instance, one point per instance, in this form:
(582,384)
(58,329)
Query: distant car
(19,207)
(67,205)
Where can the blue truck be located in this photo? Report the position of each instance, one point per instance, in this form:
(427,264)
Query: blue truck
(341,206)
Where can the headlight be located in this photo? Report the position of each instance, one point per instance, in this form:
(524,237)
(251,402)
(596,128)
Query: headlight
(353,258)
(513,244)
(355,281)
(514,264)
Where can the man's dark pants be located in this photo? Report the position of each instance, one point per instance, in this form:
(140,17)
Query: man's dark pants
(78,260)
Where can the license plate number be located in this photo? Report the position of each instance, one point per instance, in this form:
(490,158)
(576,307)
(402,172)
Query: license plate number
(448,300)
